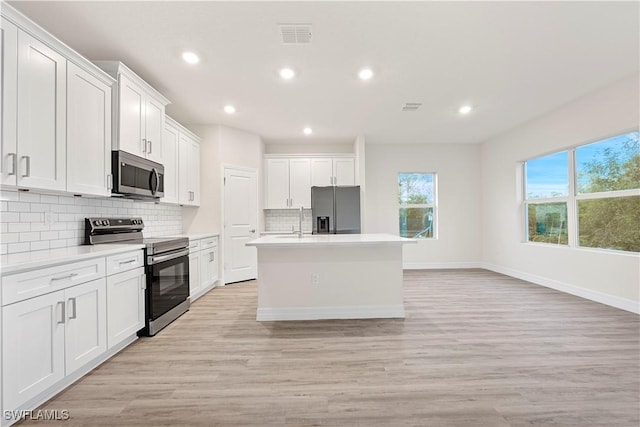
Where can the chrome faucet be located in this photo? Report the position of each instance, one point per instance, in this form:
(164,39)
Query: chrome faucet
(301,215)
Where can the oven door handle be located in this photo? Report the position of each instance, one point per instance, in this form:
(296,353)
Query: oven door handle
(156,259)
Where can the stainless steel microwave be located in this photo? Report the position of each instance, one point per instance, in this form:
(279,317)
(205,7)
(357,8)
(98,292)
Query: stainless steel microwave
(136,177)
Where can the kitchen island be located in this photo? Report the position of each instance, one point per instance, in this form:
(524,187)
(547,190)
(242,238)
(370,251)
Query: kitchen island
(329,276)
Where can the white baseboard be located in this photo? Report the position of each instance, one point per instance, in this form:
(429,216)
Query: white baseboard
(266,314)
(611,300)
(439,265)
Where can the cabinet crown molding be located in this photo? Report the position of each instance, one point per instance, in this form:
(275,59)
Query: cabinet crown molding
(114,68)
(33,29)
(310,156)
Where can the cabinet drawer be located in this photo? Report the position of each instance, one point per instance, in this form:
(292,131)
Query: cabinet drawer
(20,286)
(194,245)
(124,262)
(208,243)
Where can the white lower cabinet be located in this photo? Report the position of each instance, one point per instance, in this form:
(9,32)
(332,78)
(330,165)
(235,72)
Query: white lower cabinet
(203,266)
(60,321)
(49,337)
(125,305)
(194,275)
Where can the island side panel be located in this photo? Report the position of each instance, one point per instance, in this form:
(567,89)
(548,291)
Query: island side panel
(351,282)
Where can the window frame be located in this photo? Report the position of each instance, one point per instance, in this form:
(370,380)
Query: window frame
(433,205)
(573,197)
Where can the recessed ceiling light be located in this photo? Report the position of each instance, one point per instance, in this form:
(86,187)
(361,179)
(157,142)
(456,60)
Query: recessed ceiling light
(365,74)
(287,73)
(229,109)
(307,131)
(190,58)
(465,109)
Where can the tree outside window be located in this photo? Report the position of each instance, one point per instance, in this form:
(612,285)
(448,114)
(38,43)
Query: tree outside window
(603,193)
(416,200)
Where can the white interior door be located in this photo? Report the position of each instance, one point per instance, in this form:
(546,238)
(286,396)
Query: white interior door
(240,224)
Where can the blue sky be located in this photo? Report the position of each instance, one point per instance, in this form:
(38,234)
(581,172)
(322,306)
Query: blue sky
(548,176)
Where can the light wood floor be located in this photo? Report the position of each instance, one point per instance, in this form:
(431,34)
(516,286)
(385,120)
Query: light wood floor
(476,349)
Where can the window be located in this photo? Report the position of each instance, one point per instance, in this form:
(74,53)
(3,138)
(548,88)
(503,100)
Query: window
(593,189)
(608,193)
(417,204)
(547,190)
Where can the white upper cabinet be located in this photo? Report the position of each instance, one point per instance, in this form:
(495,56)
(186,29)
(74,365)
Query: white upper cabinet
(181,164)
(9,105)
(277,184)
(56,113)
(188,170)
(332,171)
(88,133)
(288,183)
(170,162)
(299,183)
(139,112)
(41,142)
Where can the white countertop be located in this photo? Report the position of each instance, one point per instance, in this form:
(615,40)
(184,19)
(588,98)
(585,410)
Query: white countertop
(24,261)
(318,240)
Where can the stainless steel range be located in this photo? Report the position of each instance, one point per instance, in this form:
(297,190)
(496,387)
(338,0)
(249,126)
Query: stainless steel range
(166,267)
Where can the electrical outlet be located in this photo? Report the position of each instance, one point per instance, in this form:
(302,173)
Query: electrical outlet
(315,278)
(48,218)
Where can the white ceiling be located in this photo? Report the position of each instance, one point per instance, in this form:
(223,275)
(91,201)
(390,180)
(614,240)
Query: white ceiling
(512,60)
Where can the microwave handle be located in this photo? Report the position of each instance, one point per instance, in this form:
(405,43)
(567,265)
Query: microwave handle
(155,190)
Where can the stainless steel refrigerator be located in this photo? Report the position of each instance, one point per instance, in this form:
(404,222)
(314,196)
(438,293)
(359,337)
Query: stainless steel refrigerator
(335,210)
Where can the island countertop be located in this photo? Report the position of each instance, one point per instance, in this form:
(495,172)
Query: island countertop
(321,240)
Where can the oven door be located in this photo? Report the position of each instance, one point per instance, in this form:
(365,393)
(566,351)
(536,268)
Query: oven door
(167,282)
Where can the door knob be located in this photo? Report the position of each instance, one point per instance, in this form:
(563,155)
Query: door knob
(252,231)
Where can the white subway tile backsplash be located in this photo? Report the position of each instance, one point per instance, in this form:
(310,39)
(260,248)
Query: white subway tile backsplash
(286,220)
(31,216)
(17,227)
(40,245)
(10,217)
(23,214)
(18,247)
(28,197)
(30,236)
(19,207)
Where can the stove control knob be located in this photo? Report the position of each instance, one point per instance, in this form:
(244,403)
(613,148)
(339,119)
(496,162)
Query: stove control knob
(97,223)
(105,222)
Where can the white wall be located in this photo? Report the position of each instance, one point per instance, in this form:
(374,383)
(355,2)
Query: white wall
(458,169)
(206,218)
(220,146)
(609,277)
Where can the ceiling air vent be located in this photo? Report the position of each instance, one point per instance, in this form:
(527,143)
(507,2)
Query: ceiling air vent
(411,106)
(295,33)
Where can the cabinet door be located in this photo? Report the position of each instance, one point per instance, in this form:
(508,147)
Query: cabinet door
(194,273)
(170,162)
(194,169)
(86,329)
(32,347)
(321,172)
(300,183)
(184,192)
(344,172)
(131,117)
(88,133)
(208,267)
(277,192)
(215,266)
(41,115)
(125,305)
(9,104)
(154,126)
